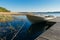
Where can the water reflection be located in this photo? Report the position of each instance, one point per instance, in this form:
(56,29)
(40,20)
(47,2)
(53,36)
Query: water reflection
(22,29)
(33,31)
(9,29)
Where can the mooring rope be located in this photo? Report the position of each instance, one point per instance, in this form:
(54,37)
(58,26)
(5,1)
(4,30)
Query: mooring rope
(18,31)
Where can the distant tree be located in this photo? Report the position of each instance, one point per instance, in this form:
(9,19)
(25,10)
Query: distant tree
(3,9)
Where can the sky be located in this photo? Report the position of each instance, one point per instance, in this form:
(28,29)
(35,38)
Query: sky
(31,5)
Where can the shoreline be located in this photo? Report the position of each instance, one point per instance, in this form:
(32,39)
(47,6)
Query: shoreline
(5,18)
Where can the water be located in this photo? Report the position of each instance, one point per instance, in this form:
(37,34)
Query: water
(9,29)
(54,14)
(33,30)
(22,29)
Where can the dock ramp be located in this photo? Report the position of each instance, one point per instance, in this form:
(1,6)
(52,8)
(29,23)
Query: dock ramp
(52,33)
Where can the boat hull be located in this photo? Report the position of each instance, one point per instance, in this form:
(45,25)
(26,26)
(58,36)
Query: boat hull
(35,19)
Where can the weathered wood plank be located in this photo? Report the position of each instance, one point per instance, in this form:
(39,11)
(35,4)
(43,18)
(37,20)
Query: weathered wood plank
(51,34)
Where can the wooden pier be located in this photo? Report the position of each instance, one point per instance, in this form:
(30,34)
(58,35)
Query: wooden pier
(52,33)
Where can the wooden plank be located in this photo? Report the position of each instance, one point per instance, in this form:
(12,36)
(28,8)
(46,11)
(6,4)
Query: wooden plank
(51,34)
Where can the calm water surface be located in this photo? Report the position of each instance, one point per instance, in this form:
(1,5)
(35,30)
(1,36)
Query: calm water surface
(21,29)
(54,14)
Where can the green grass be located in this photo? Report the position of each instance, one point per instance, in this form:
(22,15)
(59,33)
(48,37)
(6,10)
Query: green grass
(4,18)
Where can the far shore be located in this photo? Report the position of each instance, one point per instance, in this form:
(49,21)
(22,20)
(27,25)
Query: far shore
(11,13)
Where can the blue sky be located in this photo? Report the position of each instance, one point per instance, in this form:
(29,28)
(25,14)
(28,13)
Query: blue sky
(31,5)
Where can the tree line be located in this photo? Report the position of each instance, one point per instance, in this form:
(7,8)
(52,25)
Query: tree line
(4,9)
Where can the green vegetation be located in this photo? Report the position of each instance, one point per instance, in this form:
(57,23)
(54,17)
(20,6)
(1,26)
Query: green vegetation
(3,9)
(5,18)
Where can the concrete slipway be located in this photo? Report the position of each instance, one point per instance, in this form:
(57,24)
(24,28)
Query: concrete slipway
(52,33)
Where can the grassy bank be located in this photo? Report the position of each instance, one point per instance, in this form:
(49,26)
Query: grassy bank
(5,18)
